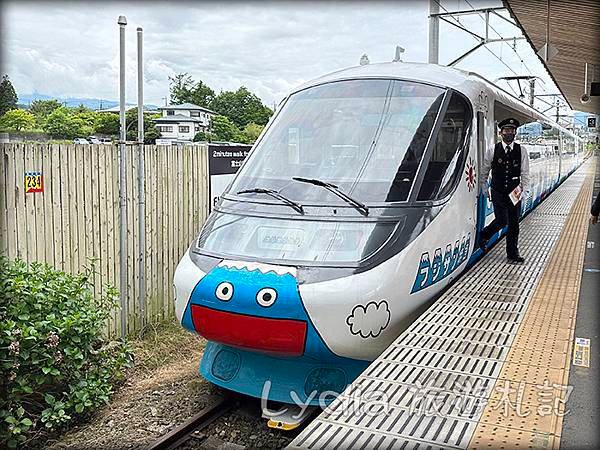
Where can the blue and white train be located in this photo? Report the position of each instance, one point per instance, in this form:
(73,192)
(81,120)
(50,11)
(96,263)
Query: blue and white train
(358,204)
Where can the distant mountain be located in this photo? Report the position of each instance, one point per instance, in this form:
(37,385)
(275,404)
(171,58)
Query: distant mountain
(92,103)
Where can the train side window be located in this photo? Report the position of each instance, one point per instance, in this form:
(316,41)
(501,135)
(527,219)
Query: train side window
(449,150)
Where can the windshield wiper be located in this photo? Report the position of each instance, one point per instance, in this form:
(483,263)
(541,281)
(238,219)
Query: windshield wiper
(297,206)
(361,207)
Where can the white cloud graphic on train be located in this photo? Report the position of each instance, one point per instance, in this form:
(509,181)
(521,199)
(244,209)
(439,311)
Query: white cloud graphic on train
(369,321)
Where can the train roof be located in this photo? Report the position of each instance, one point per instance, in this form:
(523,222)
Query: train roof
(468,83)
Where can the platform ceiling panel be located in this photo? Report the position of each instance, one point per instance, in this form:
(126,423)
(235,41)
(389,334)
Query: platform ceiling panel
(574,32)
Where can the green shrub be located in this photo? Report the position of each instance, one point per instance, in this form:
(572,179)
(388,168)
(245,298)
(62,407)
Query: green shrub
(55,363)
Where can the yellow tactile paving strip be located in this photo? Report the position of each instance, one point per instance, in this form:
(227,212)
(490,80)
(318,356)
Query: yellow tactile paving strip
(527,404)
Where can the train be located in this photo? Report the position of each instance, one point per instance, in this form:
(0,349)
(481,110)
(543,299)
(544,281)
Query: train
(358,204)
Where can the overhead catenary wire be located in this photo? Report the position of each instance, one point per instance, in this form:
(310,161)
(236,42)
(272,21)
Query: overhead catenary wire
(500,36)
(530,72)
(493,54)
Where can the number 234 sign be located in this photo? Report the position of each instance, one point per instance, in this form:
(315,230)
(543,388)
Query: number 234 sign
(34,182)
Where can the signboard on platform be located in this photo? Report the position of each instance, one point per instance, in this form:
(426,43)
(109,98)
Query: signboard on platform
(223,163)
(34,182)
(581,353)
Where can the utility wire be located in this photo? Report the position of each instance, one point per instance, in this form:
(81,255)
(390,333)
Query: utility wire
(506,42)
(500,36)
(493,54)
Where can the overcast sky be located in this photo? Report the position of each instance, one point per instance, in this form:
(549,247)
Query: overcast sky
(70,49)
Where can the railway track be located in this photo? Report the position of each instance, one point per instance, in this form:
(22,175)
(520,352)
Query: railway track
(216,407)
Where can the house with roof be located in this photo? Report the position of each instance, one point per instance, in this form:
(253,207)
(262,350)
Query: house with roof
(182,122)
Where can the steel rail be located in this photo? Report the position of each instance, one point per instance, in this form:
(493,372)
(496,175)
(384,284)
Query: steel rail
(216,407)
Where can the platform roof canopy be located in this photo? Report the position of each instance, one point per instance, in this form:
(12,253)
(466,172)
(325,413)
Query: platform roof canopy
(574,30)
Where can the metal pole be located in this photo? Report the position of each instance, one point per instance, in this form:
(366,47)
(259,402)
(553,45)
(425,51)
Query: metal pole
(434,32)
(547,48)
(122,180)
(464,55)
(141,181)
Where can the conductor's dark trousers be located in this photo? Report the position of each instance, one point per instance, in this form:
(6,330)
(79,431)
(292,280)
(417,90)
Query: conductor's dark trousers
(505,213)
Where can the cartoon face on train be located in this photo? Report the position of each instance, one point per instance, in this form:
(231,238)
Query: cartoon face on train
(255,307)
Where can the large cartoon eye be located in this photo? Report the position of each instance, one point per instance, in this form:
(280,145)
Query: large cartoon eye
(224,291)
(266,297)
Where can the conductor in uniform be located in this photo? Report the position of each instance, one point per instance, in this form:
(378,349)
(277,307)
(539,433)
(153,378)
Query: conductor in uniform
(509,163)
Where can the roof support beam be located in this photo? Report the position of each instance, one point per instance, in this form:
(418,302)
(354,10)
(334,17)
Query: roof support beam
(468,12)
(464,55)
(515,38)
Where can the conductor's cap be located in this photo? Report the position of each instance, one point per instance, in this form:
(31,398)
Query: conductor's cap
(509,123)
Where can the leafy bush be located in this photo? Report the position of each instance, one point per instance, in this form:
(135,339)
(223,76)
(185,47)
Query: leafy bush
(17,120)
(54,361)
(203,136)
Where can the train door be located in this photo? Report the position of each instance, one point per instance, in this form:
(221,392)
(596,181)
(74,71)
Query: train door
(561,162)
(483,208)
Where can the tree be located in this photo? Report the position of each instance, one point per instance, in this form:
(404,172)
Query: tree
(180,86)
(17,120)
(242,107)
(82,108)
(8,96)
(64,123)
(251,132)
(184,89)
(107,123)
(203,136)
(151,133)
(224,129)
(41,109)
(58,124)
(82,124)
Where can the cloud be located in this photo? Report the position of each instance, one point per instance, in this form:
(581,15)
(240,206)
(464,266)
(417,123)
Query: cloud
(270,47)
(369,321)
(72,48)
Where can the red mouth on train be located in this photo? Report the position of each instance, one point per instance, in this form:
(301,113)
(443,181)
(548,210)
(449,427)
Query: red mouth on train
(283,337)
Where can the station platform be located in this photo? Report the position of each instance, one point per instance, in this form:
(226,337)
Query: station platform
(488,365)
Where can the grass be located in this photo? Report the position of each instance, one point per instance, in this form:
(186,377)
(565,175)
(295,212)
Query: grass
(164,343)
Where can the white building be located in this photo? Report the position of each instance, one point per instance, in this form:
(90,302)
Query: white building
(182,122)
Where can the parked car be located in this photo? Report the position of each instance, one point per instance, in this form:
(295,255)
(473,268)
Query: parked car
(94,140)
(80,141)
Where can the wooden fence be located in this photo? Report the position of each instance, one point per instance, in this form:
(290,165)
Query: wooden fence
(76,217)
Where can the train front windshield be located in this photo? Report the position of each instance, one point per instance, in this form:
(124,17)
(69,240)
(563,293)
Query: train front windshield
(365,136)
(368,138)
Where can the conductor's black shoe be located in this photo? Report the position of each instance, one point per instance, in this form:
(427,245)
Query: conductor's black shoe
(516,259)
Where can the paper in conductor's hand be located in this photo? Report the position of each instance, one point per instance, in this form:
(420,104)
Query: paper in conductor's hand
(515,195)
